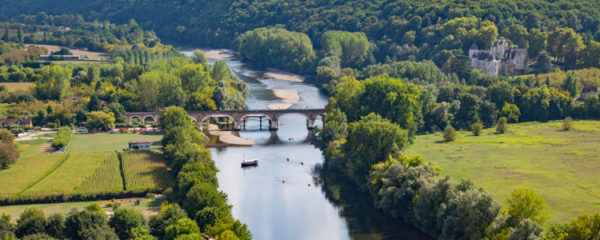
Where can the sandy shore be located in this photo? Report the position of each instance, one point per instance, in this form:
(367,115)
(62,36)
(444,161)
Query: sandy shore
(282,75)
(219,54)
(228,138)
(287,96)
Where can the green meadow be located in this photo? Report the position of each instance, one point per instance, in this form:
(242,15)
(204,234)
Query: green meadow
(561,166)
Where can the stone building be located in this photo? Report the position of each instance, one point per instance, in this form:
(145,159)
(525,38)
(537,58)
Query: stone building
(500,58)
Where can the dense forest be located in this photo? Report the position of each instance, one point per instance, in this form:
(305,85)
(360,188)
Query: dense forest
(398,30)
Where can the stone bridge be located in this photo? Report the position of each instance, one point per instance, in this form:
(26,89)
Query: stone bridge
(238,116)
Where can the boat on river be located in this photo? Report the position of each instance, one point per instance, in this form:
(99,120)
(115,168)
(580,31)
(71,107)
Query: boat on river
(249,162)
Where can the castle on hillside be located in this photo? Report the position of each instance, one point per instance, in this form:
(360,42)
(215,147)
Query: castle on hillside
(500,58)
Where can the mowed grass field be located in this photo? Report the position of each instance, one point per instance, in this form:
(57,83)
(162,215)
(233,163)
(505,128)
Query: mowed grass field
(145,170)
(561,166)
(90,165)
(105,142)
(148,207)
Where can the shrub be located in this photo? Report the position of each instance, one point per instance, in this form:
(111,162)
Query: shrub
(450,134)
(62,137)
(476,128)
(567,124)
(502,125)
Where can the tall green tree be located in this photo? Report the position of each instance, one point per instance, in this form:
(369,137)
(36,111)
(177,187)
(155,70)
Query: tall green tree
(54,83)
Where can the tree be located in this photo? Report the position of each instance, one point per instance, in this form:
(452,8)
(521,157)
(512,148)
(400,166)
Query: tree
(565,44)
(567,124)
(55,226)
(172,117)
(20,34)
(590,56)
(510,112)
(9,154)
(81,224)
(518,35)
(200,57)
(543,63)
(93,75)
(100,120)
(502,125)
(118,110)
(181,227)
(476,128)
(449,134)
(54,82)
(369,141)
(6,36)
(571,85)
(94,104)
(525,204)
(537,42)
(169,215)
(467,215)
(526,229)
(124,220)
(351,47)
(279,48)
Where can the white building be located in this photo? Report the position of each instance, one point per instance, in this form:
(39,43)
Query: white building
(499,58)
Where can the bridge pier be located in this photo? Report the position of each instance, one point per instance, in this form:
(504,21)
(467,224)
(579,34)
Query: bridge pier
(273,124)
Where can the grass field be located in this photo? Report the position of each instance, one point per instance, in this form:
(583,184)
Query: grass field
(145,170)
(103,142)
(148,207)
(13,86)
(89,172)
(561,166)
(30,167)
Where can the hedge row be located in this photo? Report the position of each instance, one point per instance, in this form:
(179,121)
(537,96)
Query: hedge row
(58,198)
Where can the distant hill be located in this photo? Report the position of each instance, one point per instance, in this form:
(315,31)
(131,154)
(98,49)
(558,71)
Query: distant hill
(388,23)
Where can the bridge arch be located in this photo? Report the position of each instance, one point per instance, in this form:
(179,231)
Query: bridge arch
(149,118)
(135,117)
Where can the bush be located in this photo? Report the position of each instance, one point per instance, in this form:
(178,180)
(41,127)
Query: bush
(450,134)
(567,124)
(62,137)
(476,128)
(502,125)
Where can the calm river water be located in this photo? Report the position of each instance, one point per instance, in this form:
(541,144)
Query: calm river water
(283,199)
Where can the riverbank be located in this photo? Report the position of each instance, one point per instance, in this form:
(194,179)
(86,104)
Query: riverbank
(283,75)
(219,54)
(228,138)
(288,97)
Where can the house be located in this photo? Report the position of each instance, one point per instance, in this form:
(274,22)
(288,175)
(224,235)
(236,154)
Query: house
(589,91)
(499,58)
(21,122)
(63,28)
(141,145)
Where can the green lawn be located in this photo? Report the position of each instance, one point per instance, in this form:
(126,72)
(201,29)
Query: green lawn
(103,142)
(561,166)
(145,170)
(84,172)
(148,207)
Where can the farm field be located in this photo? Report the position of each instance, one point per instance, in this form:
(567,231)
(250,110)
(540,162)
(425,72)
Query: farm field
(31,166)
(148,207)
(102,142)
(90,165)
(90,172)
(145,170)
(561,166)
(14,86)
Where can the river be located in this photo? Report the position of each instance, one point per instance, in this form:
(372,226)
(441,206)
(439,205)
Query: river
(284,198)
